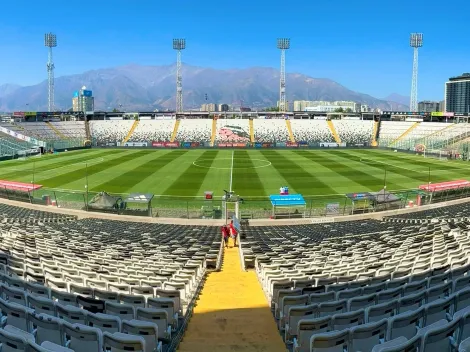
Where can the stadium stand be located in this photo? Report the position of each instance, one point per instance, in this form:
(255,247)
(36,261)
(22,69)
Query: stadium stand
(10,145)
(153,131)
(233,130)
(39,130)
(71,129)
(270,131)
(392,130)
(367,285)
(311,131)
(91,283)
(194,130)
(106,132)
(353,132)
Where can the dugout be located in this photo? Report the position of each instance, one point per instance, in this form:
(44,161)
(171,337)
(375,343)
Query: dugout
(288,206)
(384,200)
(104,202)
(139,204)
(361,202)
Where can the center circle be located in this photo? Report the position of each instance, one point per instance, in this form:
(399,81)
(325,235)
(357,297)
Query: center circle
(225,163)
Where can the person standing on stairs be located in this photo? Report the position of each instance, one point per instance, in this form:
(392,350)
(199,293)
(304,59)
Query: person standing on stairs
(225,235)
(233,233)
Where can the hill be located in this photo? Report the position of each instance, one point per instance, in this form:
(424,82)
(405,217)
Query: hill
(137,87)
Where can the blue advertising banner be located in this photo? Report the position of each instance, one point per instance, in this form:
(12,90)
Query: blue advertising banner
(75,94)
(87,93)
(281,145)
(287,200)
(258,145)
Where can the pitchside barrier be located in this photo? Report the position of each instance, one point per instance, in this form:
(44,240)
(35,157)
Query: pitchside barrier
(249,208)
(225,145)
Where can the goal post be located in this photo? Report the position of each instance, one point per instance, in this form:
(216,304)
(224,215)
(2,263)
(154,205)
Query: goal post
(27,153)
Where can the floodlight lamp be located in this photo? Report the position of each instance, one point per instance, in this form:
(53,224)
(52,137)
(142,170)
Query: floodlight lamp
(416,40)
(283,43)
(50,40)
(179,44)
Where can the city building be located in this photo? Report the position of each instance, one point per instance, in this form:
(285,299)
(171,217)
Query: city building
(83,101)
(442,105)
(209,107)
(428,106)
(457,94)
(326,106)
(223,107)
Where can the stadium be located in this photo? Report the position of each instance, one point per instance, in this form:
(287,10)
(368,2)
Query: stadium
(352,233)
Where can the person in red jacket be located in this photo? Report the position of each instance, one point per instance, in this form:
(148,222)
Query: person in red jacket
(233,233)
(225,235)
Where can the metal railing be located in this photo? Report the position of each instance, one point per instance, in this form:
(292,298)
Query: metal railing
(250,208)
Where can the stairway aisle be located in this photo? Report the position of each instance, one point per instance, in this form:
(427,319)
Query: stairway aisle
(232,313)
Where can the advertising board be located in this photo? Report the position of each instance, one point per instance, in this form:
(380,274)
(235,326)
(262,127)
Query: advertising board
(292,145)
(87,93)
(165,144)
(191,145)
(231,145)
(135,144)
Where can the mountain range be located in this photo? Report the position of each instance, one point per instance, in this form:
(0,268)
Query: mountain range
(146,88)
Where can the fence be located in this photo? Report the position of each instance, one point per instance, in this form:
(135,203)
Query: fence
(250,208)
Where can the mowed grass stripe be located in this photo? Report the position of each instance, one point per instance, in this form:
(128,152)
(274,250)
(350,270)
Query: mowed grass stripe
(57,181)
(189,182)
(245,178)
(125,181)
(354,171)
(420,176)
(303,181)
(423,163)
(61,163)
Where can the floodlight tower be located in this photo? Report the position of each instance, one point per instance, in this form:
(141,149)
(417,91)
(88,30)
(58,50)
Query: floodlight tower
(179,45)
(283,44)
(50,41)
(416,41)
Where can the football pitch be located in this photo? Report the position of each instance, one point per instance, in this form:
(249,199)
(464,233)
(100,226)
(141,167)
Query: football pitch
(249,173)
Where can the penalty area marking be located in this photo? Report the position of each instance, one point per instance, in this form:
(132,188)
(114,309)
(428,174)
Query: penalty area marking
(266,164)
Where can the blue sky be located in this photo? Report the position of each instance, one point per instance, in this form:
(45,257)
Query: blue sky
(362,44)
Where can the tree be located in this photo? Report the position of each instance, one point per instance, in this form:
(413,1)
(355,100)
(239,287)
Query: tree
(349,110)
(115,110)
(339,110)
(273,108)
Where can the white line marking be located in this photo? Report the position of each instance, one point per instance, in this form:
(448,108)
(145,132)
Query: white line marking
(231,173)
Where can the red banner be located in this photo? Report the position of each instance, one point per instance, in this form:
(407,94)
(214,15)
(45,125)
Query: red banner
(292,145)
(18,114)
(444,186)
(231,145)
(165,144)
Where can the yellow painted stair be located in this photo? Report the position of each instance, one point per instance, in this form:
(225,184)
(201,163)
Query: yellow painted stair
(374,134)
(232,313)
(129,134)
(289,129)
(175,130)
(404,134)
(333,131)
(56,131)
(214,131)
(252,131)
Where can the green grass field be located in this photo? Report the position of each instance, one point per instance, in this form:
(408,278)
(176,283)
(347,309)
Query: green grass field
(250,173)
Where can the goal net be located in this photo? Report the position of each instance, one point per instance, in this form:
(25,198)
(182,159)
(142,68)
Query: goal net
(27,153)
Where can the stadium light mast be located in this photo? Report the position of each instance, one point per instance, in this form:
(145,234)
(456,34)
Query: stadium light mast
(179,45)
(50,41)
(283,44)
(416,41)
